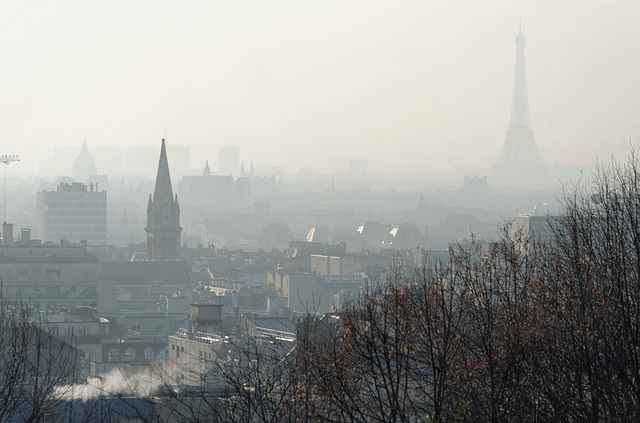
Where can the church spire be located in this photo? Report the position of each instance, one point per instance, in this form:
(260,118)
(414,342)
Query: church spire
(163,192)
(163,216)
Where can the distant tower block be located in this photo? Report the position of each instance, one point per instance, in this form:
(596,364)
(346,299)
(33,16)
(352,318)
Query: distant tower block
(520,146)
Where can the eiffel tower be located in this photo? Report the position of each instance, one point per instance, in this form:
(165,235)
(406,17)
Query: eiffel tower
(519,147)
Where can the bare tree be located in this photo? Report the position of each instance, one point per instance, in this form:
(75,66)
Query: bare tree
(597,246)
(33,364)
(435,301)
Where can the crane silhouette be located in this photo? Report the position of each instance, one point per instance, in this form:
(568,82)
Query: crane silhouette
(6,159)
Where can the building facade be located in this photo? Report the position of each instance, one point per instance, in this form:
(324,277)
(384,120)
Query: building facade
(46,275)
(75,212)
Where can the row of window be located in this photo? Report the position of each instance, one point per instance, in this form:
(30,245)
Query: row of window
(177,350)
(76,212)
(65,228)
(57,291)
(74,203)
(69,331)
(52,274)
(74,221)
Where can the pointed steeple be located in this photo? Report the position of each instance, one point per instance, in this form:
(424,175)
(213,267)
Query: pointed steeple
(163,216)
(251,174)
(176,210)
(163,192)
(242,174)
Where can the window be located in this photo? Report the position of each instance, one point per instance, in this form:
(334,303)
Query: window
(130,353)
(53,274)
(113,355)
(53,291)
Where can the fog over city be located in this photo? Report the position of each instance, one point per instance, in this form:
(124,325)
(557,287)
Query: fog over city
(403,85)
(344,211)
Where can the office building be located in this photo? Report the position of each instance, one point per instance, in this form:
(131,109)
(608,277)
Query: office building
(75,212)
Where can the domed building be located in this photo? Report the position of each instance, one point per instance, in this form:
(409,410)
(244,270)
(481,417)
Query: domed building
(84,165)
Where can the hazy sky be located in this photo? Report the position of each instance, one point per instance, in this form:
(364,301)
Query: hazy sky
(425,83)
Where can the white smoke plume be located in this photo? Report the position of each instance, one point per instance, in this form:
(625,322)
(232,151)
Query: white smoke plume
(112,384)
